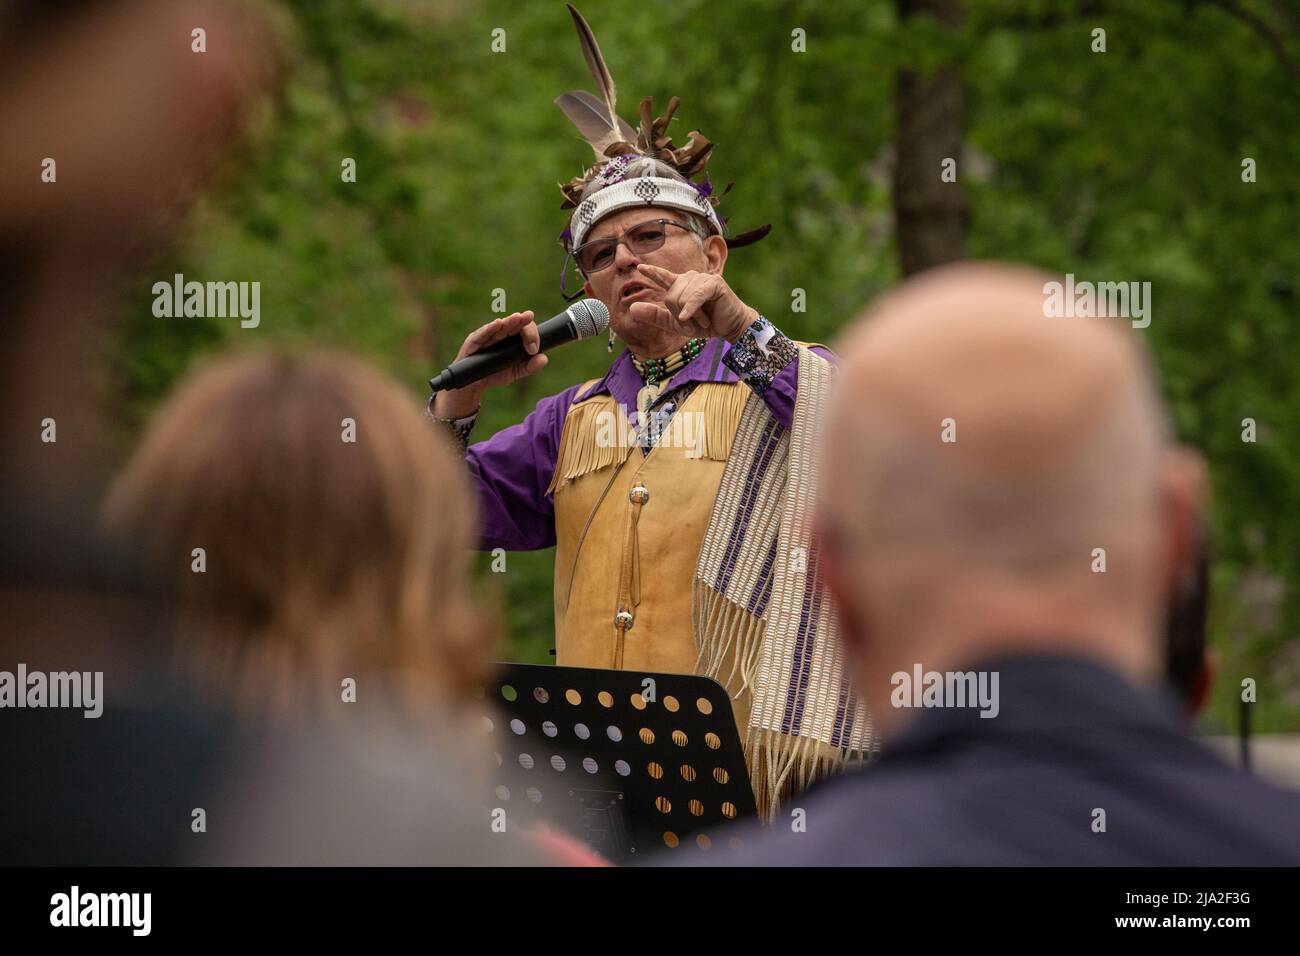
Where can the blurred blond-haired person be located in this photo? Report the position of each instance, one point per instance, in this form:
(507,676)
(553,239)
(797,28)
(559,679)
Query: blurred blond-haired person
(317,531)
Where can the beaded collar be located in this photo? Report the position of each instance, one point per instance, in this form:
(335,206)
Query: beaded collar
(655,370)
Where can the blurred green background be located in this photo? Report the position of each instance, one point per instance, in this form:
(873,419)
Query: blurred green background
(1123,165)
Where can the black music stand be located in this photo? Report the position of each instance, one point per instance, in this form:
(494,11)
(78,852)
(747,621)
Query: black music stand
(626,767)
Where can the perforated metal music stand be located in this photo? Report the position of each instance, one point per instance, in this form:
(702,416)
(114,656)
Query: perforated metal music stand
(629,762)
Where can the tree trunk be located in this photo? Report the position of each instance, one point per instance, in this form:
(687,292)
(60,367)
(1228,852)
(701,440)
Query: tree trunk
(931,216)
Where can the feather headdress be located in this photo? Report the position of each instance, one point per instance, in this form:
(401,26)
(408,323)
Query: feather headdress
(619,147)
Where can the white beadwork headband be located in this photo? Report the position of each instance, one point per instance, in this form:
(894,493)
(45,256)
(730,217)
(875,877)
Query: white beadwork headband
(641,191)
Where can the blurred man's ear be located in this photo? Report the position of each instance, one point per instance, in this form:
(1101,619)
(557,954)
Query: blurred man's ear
(1184,490)
(837,569)
(1204,684)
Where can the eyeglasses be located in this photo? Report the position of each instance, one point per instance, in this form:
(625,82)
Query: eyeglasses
(643,237)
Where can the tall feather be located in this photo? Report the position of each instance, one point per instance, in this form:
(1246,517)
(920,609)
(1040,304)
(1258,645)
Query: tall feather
(596,63)
(590,116)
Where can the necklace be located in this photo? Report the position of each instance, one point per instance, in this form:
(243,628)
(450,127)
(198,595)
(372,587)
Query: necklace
(654,370)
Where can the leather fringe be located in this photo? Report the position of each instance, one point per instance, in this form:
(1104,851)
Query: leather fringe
(720,624)
(781,765)
(721,407)
(580,450)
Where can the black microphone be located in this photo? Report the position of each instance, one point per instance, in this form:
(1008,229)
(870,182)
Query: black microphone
(582,320)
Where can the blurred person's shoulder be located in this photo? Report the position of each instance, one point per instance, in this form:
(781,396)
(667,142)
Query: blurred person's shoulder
(106,757)
(128,788)
(1106,775)
(374,792)
(861,817)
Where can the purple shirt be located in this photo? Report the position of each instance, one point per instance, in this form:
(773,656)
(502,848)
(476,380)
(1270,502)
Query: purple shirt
(513,468)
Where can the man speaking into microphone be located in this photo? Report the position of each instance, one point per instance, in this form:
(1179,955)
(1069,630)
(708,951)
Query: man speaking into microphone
(671,487)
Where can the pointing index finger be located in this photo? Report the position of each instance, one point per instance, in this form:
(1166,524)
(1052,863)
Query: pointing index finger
(659,276)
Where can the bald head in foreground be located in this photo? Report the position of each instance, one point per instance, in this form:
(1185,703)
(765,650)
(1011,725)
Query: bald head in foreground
(1005,521)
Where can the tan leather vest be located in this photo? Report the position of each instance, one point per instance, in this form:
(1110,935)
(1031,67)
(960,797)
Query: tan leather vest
(629,527)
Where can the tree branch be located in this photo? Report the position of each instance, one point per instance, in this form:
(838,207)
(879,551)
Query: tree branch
(1265,31)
